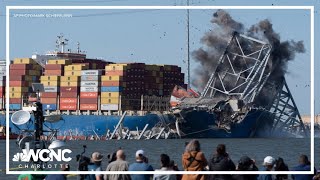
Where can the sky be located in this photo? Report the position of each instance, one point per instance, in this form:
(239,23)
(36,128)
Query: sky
(157,36)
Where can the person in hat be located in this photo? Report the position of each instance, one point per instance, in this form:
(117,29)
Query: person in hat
(268,163)
(95,165)
(141,164)
(246,164)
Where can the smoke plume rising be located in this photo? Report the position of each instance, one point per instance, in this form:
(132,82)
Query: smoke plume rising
(215,42)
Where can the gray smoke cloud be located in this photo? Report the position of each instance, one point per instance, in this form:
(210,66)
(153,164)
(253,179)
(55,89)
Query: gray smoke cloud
(215,42)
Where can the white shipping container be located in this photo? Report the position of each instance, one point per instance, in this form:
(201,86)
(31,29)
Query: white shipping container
(111,107)
(89,89)
(90,83)
(50,89)
(2,73)
(89,78)
(2,83)
(3,68)
(91,72)
(2,78)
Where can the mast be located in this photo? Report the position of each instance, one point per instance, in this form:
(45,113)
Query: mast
(188,45)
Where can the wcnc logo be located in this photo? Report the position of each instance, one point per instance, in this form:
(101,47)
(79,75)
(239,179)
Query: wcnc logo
(44,155)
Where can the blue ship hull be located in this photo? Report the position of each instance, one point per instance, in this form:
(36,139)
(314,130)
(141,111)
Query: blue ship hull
(197,124)
(202,124)
(87,124)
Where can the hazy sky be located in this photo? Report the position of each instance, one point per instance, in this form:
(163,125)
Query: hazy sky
(156,36)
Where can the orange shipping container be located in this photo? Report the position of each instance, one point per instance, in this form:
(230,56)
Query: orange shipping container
(49,100)
(68,100)
(88,107)
(53,72)
(88,95)
(112,83)
(68,106)
(115,73)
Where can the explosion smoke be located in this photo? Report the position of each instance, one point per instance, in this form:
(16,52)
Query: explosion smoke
(216,40)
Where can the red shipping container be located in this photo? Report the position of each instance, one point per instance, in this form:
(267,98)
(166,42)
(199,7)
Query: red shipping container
(53,72)
(1,94)
(88,95)
(18,72)
(54,67)
(2,89)
(48,100)
(18,83)
(17,78)
(69,89)
(49,95)
(88,107)
(21,67)
(68,100)
(89,101)
(15,100)
(68,95)
(68,106)
(111,83)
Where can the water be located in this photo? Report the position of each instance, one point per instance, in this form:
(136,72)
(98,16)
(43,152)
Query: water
(289,149)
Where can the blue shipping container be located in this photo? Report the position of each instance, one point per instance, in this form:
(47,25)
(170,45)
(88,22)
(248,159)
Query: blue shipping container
(111,89)
(15,106)
(51,107)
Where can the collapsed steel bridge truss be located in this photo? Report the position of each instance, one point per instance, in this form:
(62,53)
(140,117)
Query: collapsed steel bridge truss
(241,71)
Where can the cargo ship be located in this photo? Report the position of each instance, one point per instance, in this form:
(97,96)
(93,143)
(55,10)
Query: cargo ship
(91,94)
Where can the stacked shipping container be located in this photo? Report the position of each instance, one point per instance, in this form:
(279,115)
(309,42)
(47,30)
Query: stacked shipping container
(69,87)
(23,72)
(54,69)
(72,84)
(90,89)
(2,84)
(112,84)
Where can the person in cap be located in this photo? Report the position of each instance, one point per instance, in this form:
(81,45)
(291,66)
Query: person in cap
(95,165)
(120,164)
(268,163)
(141,164)
(304,165)
(221,161)
(165,166)
(246,164)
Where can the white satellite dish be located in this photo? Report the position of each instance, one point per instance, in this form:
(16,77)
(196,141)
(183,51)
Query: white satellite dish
(56,144)
(20,117)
